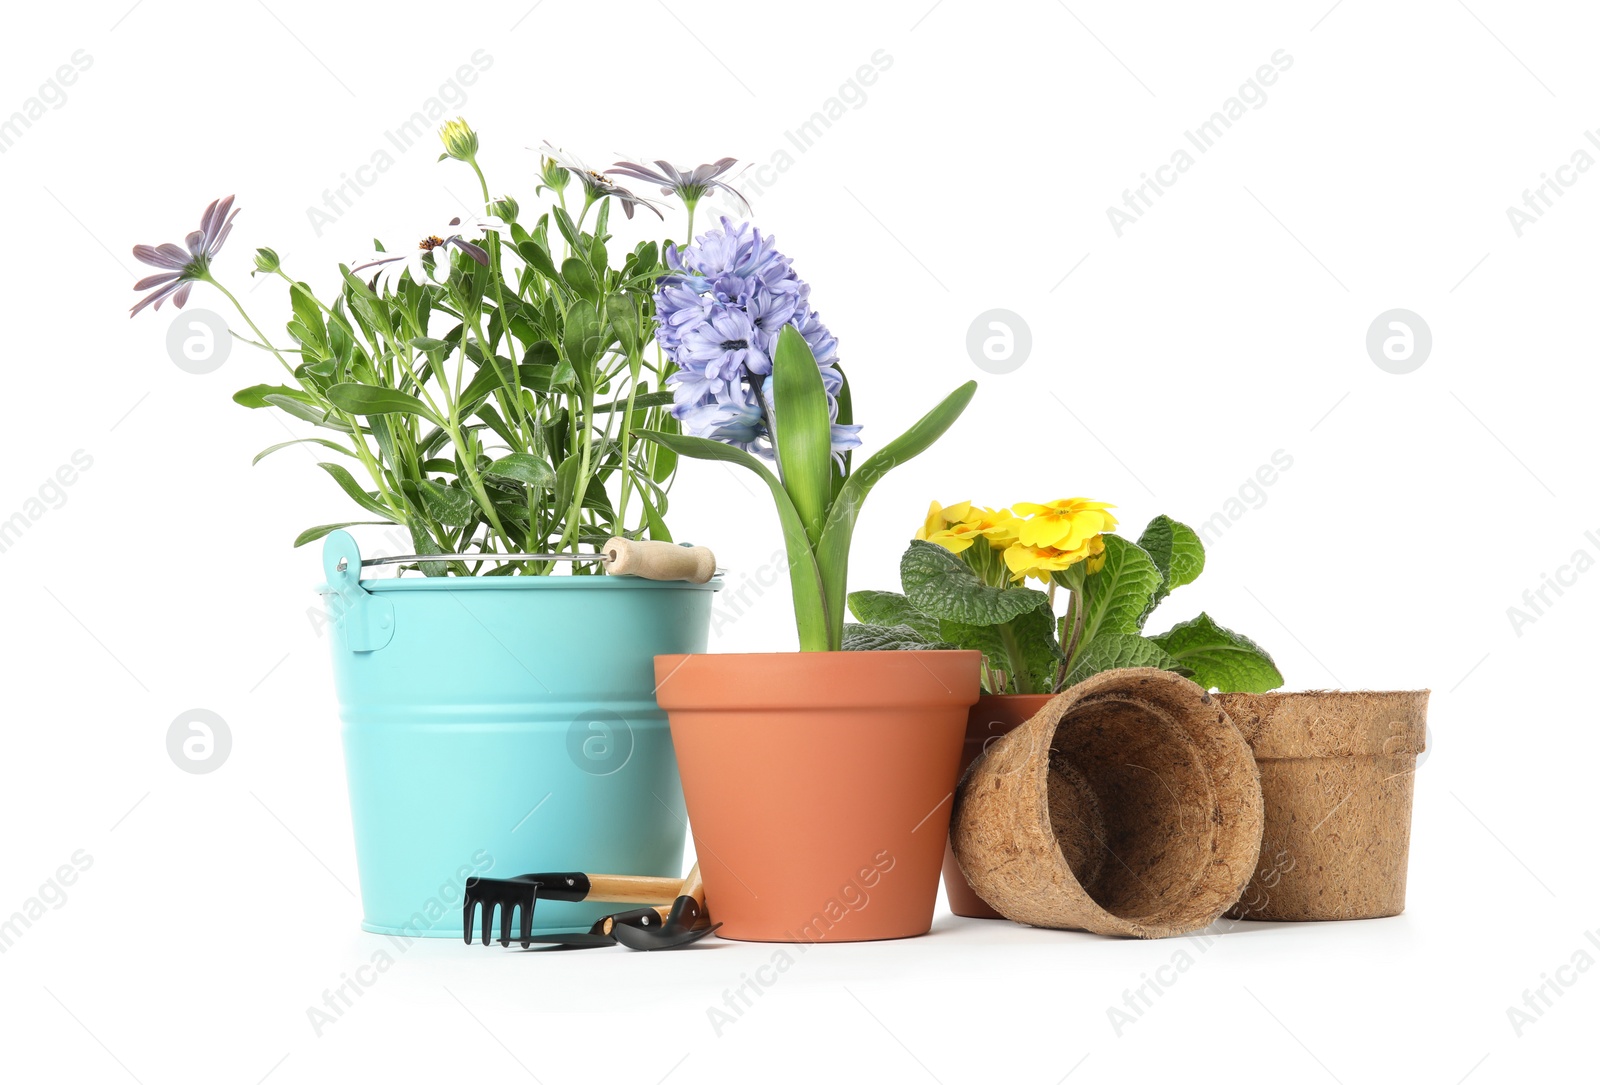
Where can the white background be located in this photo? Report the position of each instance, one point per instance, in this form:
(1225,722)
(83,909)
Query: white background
(1229,322)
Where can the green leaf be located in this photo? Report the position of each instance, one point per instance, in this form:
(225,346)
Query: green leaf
(1220,658)
(1177,552)
(845,416)
(256,395)
(354,491)
(323,441)
(1119,594)
(833,550)
(642,401)
(364,399)
(426,344)
(578,275)
(525,468)
(802,430)
(1112,650)
(981,638)
(891,608)
(941,585)
(538,258)
(450,505)
(582,341)
(312,534)
(1034,633)
(305,411)
(308,314)
(811,607)
(886,638)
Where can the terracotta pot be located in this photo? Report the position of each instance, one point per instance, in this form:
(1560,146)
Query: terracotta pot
(993,717)
(819,785)
(1128,805)
(1336,774)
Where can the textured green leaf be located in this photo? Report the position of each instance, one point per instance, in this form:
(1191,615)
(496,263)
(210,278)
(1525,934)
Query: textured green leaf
(941,585)
(1112,650)
(1035,635)
(886,638)
(524,468)
(1119,594)
(450,505)
(891,608)
(1220,658)
(1177,551)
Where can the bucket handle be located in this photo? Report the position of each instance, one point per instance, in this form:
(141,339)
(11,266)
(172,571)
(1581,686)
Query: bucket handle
(367,620)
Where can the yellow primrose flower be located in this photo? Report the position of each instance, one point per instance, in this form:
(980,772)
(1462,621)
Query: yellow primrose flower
(999,526)
(935,527)
(1040,561)
(1063,525)
(940,515)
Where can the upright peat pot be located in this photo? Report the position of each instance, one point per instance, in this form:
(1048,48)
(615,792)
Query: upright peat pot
(504,724)
(819,785)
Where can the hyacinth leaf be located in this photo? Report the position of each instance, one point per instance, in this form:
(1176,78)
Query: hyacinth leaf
(802,430)
(891,608)
(1119,594)
(811,611)
(1179,554)
(941,585)
(887,638)
(1220,658)
(833,550)
(1112,650)
(364,399)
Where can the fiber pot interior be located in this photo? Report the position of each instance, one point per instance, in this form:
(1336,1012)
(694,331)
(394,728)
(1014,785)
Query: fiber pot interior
(1128,805)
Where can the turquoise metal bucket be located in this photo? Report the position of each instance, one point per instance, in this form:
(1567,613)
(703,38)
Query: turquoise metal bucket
(501,726)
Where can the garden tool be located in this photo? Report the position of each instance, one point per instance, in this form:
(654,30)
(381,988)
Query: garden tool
(687,921)
(647,558)
(524,892)
(601,934)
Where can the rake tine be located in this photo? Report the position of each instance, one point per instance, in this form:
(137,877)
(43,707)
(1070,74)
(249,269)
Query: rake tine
(488,921)
(508,912)
(468,907)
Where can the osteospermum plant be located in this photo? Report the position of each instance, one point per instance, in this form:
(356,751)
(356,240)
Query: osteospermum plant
(757,382)
(964,585)
(483,386)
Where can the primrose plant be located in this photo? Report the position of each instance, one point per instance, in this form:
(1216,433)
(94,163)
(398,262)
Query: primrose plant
(483,387)
(758,381)
(964,581)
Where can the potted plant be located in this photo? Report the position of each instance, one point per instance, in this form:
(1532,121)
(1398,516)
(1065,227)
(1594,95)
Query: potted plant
(963,579)
(482,392)
(818,783)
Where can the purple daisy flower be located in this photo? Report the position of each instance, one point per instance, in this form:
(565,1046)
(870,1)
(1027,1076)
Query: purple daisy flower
(181,268)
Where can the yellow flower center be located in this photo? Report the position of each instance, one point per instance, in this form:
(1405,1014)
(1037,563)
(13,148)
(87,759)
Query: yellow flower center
(428,244)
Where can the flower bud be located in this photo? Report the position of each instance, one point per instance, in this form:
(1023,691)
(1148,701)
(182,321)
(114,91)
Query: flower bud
(553,175)
(505,209)
(460,141)
(267,262)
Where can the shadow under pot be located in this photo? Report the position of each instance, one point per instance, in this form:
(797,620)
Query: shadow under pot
(1128,805)
(1337,770)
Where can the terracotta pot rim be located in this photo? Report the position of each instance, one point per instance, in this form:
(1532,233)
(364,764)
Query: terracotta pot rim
(943,652)
(762,681)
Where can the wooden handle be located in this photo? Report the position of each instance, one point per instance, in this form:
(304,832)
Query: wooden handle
(656,560)
(633,889)
(695,888)
(610,921)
